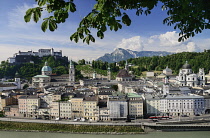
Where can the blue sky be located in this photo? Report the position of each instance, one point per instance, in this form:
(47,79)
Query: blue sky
(145,33)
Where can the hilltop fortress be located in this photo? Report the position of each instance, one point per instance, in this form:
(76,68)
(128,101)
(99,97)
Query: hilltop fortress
(25,57)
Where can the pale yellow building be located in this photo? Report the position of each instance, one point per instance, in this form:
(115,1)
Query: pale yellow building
(28,106)
(77,107)
(33,103)
(56,97)
(91,108)
(55,110)
(135,103)
(65,109)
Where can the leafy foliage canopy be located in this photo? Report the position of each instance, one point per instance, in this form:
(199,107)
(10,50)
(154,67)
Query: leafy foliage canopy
(189,16)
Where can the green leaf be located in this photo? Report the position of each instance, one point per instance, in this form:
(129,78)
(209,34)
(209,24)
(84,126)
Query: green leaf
(87,31)
(103,28)
(100,34)
(180,39)
(117,12)
(49,8)
(52,25)
(147,12)
(45,25)
(71,7)
(139,12)
(119,25)
(74,37)
(81,36)
(88,39)
(36,14)
(166,20)
(92,38)
(27,17)
(126,20)
(42,2)
(115,27)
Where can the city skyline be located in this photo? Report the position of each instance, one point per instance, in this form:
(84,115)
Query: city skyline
(145,33)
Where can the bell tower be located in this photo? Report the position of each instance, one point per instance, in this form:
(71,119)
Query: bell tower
(109,73)
(71,73)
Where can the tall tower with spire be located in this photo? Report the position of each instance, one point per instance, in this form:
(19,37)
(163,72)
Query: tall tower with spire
(108,73)
(71,73)
(17,80)
(126,65)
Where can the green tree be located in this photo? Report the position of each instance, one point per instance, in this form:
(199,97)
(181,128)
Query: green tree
(61,70)
(189,16)
(115,87)
(25,86)
(81,62)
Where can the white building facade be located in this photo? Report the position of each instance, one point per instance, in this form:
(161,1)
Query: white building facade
(188,78)
(185,105)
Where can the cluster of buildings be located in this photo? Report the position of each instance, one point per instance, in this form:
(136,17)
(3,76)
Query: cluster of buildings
(92,104)
(27,57)
(49,79)
(53,96)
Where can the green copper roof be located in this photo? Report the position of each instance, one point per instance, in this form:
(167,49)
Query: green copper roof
(41,76)
(133,95)
(46,67)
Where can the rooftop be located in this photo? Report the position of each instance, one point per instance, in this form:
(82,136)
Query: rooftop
(123,73)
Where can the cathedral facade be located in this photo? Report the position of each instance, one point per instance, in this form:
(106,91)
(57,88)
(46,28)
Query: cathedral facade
(49,79)
(188,78)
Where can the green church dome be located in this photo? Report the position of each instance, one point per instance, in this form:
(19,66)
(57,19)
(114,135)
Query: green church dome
(46,67)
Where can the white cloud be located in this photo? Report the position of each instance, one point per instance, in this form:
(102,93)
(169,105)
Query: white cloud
(133,43)
(169,42)
(192,47)
(16,17)
(169,39)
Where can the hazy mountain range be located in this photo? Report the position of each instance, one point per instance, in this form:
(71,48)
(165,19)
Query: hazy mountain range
(120,54)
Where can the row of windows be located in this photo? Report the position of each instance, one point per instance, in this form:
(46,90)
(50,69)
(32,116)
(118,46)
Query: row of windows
(136,105)
(66,111)
(90,106)
(89,103)
(136,109)
(65,108)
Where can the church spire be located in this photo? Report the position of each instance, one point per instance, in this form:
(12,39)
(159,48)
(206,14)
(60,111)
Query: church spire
(71,65)
(71,73)
(108,73)
(126,65)
(46,64)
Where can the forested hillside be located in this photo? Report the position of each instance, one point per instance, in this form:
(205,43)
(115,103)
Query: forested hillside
(137,65)
(28,70)
(158,63)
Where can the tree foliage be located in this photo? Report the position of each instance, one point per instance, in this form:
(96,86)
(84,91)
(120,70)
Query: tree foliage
(189,16)
(141,64)
(174,61)
(28,70)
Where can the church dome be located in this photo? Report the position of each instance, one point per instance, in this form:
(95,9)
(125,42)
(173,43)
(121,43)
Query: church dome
(186,66)
(167,69)
(17,75)
(46,67)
